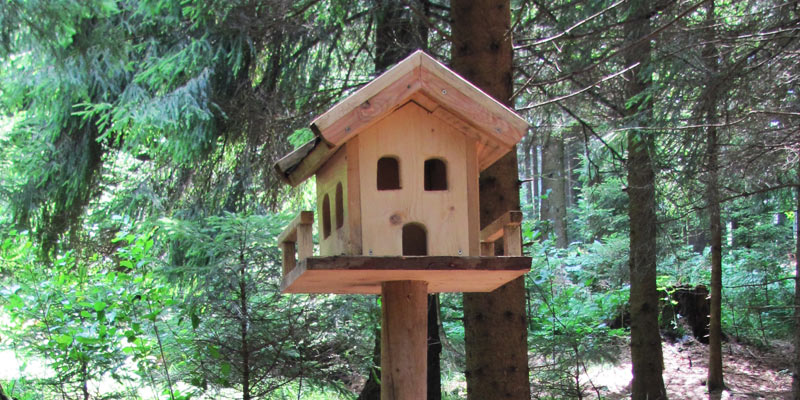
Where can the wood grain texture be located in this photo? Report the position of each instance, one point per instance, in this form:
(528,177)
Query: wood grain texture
(474,109)
(289,260)
(512,240)
(289,234)
(426,82)
(473,198)
(299,165)
(332,173)
(412,136)
(371,110)
(495,229)
(353,197)
(363,274)
(519,125)
(296,237)
(404,341)
(356,100)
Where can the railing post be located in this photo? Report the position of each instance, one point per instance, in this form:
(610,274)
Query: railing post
(512,240)
(305,241)
(507,226)
(297,237)
(487,249)
(288,256)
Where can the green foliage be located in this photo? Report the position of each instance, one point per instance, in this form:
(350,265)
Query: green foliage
(573,297)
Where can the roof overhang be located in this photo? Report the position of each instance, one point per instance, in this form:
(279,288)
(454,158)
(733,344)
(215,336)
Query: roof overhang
(427,82)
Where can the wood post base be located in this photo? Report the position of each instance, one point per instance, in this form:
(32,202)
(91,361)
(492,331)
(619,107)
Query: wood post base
(404,319)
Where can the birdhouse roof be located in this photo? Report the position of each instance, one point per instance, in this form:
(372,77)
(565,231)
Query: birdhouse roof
(431,85)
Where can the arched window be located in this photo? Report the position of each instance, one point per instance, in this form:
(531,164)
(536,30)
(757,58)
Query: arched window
(435,174)
(326,217)
(339,206)
(388,173)
(415,240)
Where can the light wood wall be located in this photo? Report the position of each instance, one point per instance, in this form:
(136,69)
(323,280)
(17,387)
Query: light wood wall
(333,172)
(413,135)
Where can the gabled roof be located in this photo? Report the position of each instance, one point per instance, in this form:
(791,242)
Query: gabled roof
(430,84)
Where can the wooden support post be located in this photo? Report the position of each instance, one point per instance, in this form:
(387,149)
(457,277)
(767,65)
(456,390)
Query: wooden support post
(487,249)
(512,240)
(287,248)
(305,241)
(404,322)
(297,236)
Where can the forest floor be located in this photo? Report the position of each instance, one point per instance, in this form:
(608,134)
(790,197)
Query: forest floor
(749,372)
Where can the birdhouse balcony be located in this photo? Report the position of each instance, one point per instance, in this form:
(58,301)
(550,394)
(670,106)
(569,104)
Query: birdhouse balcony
(357,274)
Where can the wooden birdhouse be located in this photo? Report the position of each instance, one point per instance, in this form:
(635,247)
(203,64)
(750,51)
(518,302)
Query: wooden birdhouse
(396,166)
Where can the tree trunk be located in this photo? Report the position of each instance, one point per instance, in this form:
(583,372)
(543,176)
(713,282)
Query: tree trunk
(715,381)
(535,173)
(796,372)
(434,350)
(244,323)
(646,355)
(553,185)
(528,144)
(495,332)
(573,146)
(398,32)
(372,388)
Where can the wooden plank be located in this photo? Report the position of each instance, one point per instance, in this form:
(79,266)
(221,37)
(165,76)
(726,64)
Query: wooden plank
(473,199)
(412,136)
(305,241)
(289,262)
(494,230)
(489,155)
(466,128)
(455,80)
(471,109)
(370,109)
(363,275)
(299,165)
(425,102)
(487,249)
(356,100)
(290,233)
(512,240)
(353,197)
(404,340)
(329,176)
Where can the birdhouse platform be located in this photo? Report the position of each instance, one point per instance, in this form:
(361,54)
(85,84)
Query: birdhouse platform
(364,274)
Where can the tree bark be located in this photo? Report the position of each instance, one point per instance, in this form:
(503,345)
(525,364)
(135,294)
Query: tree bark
(535,175)
(796,372)
(372,388)
(494,323)
(646,355)
(244,322)
(528,145)
(434,350)
(554,206)
(573,146)
(398,32)
(715,380)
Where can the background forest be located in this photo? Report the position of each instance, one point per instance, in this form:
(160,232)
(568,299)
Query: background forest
(139,210)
